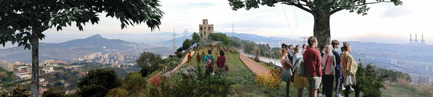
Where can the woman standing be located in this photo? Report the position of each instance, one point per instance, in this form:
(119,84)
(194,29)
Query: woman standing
(350,71)
(299,81)
(329,65)
(287,72)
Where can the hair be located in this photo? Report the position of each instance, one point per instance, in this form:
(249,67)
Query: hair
(290,45)
(209,51)
(322,47)
(345,46)
(304,45)
(312,40)
(329,49)
(296,48)
(335,42)
(221,53)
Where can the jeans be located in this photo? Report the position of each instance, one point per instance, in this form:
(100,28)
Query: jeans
(338,80)
(328,83)
(355,87)
(209,70)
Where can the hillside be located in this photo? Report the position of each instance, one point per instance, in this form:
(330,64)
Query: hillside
(71,49)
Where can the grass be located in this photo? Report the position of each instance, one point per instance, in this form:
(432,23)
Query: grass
(404,89)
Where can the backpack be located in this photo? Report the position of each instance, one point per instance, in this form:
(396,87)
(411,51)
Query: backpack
(209,61)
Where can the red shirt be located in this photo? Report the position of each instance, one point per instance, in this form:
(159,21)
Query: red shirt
(221,60)
(312,62)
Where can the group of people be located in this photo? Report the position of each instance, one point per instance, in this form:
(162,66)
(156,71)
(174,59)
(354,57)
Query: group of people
(311,67)
(209,62)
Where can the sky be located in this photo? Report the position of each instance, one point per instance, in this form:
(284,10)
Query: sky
(384,23)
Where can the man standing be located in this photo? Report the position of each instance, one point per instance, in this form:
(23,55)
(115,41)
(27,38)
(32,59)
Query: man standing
(338,73)
(209,61)
(312,64)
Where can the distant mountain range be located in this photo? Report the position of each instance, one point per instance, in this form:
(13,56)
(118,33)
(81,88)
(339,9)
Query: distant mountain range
(71,49)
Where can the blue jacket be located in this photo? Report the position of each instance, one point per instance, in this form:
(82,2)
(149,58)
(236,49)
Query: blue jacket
(337,59)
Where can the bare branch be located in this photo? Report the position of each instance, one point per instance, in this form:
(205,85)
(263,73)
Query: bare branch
(300,6)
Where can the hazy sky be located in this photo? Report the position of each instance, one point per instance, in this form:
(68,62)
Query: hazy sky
(384,23)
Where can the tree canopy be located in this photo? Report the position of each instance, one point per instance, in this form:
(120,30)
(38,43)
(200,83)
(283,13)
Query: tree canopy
(320,9)
(148,62)
(98,82)
(20,18)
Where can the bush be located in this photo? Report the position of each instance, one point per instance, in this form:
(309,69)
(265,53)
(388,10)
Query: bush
(54,92)
(98,82)
(118,92)
(369,80)
(148,63)
(194,84)
(270,81)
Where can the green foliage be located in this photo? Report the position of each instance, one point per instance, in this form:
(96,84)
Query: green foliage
(148,63)
(392,75)
(314,6)
(369,80)
(118,92)
(98,82)
(171,62)
(193,84)
(5,76)
(36,16)
(186,44)
(220,37)
(19,91)
(195,38)
(134,83)
(54,92)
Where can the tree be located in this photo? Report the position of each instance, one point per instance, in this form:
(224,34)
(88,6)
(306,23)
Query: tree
(23,21)
(195,38)
(134,83)
(53,92)
(118,92)
(370,80)
(98,82)
(148,63)
(186,44)
(220,37)
(320,9)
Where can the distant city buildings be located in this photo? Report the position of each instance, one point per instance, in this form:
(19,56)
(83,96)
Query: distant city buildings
(205,29)
(7,66)
(416,41)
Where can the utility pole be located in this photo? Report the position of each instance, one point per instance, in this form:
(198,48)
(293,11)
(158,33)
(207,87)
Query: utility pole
(174,39)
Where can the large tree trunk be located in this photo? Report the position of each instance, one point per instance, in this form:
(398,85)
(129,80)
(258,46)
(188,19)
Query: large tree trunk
(322,28)
(34,41)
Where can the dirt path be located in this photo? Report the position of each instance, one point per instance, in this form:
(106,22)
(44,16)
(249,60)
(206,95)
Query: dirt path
(253,65)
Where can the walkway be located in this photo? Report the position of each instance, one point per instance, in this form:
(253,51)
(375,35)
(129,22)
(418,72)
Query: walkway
(185,59)
(253,65)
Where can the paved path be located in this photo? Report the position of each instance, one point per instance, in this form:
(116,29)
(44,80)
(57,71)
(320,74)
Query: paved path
(253,65)
(185,59)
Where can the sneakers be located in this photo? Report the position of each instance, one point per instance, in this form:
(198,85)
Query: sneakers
(351,89)
(338,95)
(343,88)
(320,95)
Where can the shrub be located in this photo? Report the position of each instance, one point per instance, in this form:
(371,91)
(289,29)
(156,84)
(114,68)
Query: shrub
(271,80)
(156,81)
(53,92)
